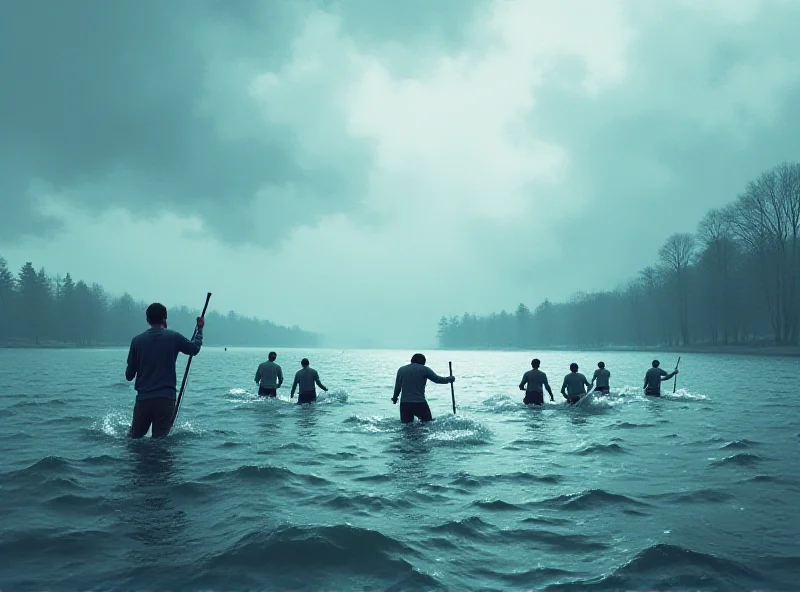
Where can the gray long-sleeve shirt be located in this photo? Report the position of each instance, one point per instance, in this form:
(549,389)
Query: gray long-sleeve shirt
(601,376)
(411,380)
(269,375)
(653,378)
(151,360)
(574,383)
(306,378)
(535,380)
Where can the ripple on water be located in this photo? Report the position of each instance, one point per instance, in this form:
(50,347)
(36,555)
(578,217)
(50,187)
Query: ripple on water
(743,459)
(594,499)
(665,567)
(319,556)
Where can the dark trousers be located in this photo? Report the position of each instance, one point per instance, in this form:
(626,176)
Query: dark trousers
(652,392)
(265,391)
(602,389)
(307,397)
(408,411)
(155,412)
(533,399)
(572,399)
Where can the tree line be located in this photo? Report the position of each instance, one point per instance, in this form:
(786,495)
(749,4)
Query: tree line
(38,309)
(733,281)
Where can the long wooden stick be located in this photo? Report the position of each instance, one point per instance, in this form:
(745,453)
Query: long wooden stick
(452,390)
(188,365)
(675,384)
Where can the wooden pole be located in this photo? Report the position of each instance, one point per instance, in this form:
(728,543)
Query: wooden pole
(188,365)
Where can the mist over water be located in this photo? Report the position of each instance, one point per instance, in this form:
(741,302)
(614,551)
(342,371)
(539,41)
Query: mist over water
(694,491)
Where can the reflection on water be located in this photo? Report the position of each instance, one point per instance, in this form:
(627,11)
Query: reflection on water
(151,511)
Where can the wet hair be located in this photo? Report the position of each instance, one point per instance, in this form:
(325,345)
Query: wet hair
(418,359)
(304,362)
(573,367)
(656,363)
(601,364)
(272,356)
(535,362)
(156,314)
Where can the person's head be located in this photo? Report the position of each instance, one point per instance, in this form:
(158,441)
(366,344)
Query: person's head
(573,367)
(156,315)
(272,356)
(656,363)
(304,362)
(535,362)
(601,365)
(418,359)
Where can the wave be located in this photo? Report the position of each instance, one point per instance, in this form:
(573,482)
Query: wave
(266,474)
(739,445)
(497,506)
(472,527)
(51,474)
(664,567)
(71,504)
(37,403)
(364,502)
(520,478)
(595,498)
(743,459)
(698,496)
(456,430)
(627,425)
(54,545)
(333,557)
(602,449)
(525,578)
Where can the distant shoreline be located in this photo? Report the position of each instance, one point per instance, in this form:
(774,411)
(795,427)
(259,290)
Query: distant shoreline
(743,350)
(12,345)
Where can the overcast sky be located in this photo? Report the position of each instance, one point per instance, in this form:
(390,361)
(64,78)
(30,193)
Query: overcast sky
(361,168)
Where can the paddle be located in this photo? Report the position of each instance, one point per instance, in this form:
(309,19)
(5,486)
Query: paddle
(452,390)
(675,384)
(188,365)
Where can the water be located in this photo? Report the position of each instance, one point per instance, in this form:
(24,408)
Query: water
(697,491)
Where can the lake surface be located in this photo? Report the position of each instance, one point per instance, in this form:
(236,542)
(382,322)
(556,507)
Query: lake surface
(696,491)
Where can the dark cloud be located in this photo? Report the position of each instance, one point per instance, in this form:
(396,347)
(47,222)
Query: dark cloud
(94,93)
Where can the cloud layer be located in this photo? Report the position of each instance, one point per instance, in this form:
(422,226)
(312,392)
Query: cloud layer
(359,168)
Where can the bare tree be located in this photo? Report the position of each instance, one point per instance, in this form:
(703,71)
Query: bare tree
(676,255)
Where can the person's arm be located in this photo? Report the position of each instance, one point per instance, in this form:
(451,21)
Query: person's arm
(523,382)
(319,384)
(433,377)
(546,385)
(192,348)
(258,374)
(133,361)
(670,375)
(594,376)
(645,382)
(398,383)
(280,377)
(294,385)
(564,388)
(586,382)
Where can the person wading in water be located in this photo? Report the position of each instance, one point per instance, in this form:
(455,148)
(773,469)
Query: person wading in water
(269,377)
(573,386)
(654,377)
(409,386)
(306,378)
(151,361)
(535,380)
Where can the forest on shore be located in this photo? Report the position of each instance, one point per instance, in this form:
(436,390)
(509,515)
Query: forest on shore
(37,309)
(732,282)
